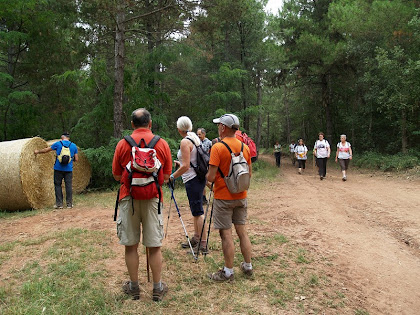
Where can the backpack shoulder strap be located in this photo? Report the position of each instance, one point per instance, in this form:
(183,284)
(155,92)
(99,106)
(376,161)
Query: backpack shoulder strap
(191,141)
(153,142)
(131,141)
(230,151)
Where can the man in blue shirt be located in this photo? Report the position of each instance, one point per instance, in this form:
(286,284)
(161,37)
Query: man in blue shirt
(63,171)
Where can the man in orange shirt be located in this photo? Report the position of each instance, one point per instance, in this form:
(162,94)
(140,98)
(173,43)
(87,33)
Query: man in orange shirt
(229,208)
(145,211)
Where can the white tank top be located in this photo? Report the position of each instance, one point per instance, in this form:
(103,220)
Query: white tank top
(190,174)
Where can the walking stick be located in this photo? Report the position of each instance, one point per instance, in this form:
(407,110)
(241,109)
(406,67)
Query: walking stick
(204,222)
(179,215)
(147,264)
(167,222)
(208,231)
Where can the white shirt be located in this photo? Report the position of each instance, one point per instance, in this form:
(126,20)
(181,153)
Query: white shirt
(301,150)
(190,174)
(343,150)
(292,147)
(321,147)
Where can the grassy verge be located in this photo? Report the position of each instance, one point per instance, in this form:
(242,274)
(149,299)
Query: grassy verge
(64,276)
(68,271)
(376,161)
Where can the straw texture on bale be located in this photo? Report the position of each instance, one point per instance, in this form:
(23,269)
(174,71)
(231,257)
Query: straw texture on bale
(26,179)
(82,170)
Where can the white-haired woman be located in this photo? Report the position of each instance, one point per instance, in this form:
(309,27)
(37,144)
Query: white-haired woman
(194,186)
(344,154)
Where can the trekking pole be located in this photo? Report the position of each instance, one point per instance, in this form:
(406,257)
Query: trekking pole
(208,231)
(167,222)
(169,212)
(147,265)
(179,215)
(204,222)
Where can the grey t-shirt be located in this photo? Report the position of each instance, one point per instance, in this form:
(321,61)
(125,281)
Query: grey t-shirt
(206,144)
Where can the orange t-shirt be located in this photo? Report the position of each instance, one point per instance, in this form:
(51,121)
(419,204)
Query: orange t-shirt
(122,155)
(220,157)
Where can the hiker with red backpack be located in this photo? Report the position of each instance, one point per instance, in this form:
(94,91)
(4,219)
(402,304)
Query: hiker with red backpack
(194,181)
(142,163)
(243,137)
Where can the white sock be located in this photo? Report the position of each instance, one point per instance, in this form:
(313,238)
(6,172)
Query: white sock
(228,271)
(247,266)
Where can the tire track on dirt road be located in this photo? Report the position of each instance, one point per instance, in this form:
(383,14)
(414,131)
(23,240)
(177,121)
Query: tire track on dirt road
(365,222)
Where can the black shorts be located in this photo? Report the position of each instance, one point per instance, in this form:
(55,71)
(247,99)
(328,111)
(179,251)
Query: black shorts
(195,188)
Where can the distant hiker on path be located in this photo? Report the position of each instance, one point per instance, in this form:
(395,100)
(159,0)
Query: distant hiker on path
(66,154)
(194,186)
(344,154)
(301,155)
(229,207)
(322,152)
(292,152)
(144,218)
(277,153)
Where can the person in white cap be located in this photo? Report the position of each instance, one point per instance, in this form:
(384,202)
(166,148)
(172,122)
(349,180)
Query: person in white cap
(228,207)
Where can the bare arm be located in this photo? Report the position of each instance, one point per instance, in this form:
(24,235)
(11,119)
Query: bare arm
(351,153)
(76,157)
(336,155)
(211,174)
(186,148)
(45,150)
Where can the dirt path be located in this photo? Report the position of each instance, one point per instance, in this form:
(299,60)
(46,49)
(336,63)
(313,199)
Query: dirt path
(370,225)
(367,227)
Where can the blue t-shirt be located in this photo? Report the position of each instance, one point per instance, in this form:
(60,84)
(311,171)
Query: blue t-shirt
(73,150)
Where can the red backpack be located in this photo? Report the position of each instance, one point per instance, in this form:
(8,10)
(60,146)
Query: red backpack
(143,175)
(242,136)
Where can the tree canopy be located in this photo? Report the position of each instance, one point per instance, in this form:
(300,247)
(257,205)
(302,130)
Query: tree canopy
(342,66)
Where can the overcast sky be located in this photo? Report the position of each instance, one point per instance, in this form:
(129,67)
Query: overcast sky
(274,6)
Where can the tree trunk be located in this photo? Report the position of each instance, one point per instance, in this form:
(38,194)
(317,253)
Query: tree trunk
(259,102)
(404,140)
(286,108)
(326,104)
(119,71)
(268,131)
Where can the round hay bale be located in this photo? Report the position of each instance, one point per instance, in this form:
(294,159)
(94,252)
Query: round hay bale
(26,179)
(82,170)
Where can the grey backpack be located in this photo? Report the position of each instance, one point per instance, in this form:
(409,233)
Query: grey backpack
(238,178)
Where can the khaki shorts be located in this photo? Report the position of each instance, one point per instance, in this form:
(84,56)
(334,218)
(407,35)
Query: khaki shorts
(226,212)
(146,214)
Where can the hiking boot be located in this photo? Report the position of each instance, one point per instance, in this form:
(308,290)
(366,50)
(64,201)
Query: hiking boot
(202,249)
(344,178)
(220,276)
(134,293)
(321,178)
(58,207)
(193,241)
(247,272)
(158,295)
(69,206)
